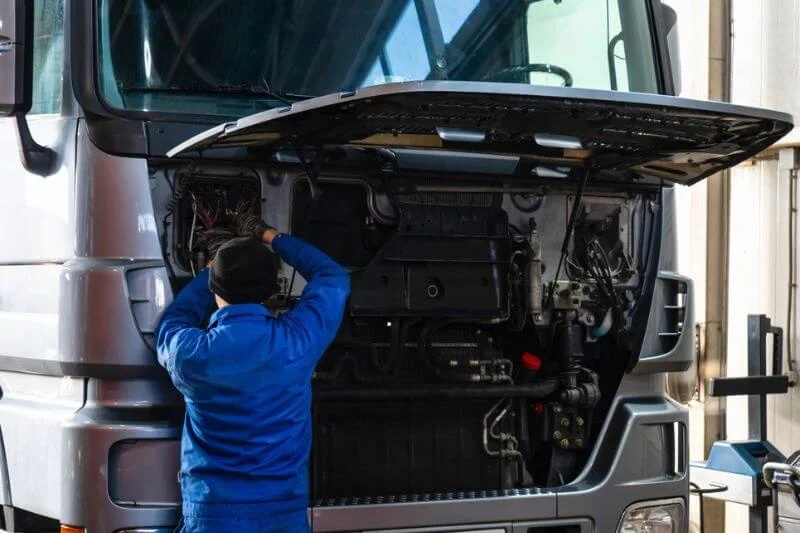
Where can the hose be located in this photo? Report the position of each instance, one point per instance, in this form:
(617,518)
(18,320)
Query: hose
(508,444)
(393,347)
(604,327)
(400,346)
(695,489)
(368,346)
(191,234)
(422,341)
(534,390)
(355,372)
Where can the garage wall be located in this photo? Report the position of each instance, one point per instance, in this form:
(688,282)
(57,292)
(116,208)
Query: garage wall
(765,73)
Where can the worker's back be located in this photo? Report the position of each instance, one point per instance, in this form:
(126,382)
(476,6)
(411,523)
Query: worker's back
(247,384)
(248,410)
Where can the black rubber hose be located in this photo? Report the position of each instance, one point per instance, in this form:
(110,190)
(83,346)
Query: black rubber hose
(534,390)
(399,348)
(422,343)
(424,339)
(346,360)
(368,346)
(394,347)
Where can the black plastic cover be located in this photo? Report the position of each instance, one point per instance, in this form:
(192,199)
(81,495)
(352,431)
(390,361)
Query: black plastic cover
(676,139)
(432,275)
(443,262)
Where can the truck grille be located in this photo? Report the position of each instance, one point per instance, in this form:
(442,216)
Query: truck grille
(427,497)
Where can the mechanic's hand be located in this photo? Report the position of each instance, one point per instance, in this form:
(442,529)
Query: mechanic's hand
(268,235)
(247,225)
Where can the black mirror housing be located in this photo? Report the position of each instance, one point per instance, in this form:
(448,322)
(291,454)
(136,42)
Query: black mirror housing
(16,56)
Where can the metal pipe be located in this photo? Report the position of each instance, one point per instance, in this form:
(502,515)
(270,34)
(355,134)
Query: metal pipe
(717,229)
(714,356)
(486,448)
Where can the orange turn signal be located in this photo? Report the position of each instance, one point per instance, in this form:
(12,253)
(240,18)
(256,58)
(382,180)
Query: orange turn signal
(71,529)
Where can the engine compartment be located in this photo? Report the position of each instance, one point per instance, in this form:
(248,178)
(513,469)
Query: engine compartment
(474,357)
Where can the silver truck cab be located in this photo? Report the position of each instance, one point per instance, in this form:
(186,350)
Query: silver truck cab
(497,176)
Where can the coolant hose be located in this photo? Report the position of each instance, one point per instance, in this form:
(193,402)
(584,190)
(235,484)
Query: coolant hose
(604,327)
(533,390)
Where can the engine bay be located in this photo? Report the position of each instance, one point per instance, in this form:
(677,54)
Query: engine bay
(483,341)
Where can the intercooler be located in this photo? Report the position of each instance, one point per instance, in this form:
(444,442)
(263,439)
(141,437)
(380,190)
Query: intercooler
(405,450)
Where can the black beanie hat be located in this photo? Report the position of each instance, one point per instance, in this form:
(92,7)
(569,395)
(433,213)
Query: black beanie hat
(244,271)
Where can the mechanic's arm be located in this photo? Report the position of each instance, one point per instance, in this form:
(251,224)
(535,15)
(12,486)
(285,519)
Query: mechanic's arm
(318,313)
(180,334)
(316,317)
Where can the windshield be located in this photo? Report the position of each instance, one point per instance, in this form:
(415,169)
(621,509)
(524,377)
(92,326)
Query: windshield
(234,58)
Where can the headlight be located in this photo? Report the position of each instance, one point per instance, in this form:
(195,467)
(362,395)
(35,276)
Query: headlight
(665,516)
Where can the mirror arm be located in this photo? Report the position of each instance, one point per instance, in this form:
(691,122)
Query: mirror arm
(612,66)
(37,159)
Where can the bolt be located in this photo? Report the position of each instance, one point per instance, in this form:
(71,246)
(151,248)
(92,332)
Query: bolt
(564,443)
(557,435)
(565,422)
(537,317)
(579,422)
(489,340)
(557,408)
(579,443)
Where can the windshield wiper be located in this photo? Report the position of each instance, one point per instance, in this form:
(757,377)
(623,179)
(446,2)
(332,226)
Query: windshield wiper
(233,90)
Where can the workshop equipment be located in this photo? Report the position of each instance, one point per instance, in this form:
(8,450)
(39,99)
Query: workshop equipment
(737,466)
(784,480)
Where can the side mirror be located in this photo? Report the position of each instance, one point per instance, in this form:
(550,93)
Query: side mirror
(16,54)
(16,81)
(670,28)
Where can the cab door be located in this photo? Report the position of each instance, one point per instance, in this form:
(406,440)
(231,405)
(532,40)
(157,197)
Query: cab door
(36,238)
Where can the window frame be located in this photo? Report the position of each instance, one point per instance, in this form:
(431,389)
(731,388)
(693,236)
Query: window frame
(85,67)
(60,70)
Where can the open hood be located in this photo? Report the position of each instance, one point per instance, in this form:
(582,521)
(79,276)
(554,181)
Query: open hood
(676,139)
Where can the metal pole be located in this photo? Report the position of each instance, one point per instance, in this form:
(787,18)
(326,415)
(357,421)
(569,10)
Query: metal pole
(433,38)
(757,328)
(713,362)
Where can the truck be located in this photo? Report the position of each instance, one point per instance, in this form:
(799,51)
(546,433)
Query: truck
(498,177)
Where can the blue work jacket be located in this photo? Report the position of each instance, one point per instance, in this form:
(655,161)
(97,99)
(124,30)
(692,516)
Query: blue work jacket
(247,384)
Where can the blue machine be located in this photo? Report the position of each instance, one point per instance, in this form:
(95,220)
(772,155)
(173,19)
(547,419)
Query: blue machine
(737,466)
(733,471)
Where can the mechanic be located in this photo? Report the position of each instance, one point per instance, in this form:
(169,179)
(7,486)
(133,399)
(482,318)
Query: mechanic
(246,379)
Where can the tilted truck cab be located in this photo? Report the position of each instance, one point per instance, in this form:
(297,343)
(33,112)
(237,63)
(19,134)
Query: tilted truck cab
(514,307)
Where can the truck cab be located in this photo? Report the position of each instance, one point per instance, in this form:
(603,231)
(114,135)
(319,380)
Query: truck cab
(497,176)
